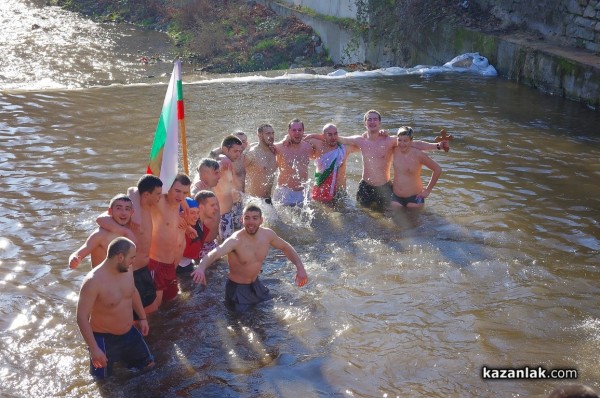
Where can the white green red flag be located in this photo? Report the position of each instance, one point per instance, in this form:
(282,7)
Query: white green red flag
(163,155)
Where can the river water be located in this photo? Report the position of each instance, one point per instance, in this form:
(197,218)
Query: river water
(501,269)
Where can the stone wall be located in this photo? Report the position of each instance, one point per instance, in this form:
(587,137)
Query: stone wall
(571,22)
(337,8)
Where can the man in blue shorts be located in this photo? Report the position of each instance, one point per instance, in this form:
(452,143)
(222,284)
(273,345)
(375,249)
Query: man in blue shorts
(105,317)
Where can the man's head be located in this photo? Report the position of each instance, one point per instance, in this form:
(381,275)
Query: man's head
(150,188)
(180,189)
(296,131)
(243,137)
(330,134)
(266,134)
(405,136)
(208,204)
(231,146)
(252,218)
(120,209)
(193,213)
(122,251)
(208,172)
(372,120)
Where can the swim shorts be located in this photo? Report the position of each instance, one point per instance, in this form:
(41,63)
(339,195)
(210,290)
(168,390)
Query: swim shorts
(226,226)
(129,348)
(405,201)
(241,297)
(165,278)
(208,246)
(145,286)
(237,210)
(376,197)
(288,197)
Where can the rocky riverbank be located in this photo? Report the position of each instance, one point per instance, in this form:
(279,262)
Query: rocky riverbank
(218,36)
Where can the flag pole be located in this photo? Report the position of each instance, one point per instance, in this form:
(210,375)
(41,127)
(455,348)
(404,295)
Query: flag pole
(181,119)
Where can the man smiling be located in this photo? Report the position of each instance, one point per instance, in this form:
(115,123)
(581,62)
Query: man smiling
(246,251)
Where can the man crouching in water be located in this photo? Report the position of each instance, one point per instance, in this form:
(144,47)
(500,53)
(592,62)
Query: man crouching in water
(105,316)
(246,250)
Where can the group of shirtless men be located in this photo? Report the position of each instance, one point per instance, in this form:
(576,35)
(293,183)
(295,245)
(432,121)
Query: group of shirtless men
(152,233)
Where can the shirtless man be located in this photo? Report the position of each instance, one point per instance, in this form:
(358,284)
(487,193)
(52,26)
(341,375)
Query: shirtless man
(144,197)
(330,165)
(292,155)
(246,251)
(107,300)
(208,177)
(226,191)
(168,239)
(407,162)
(239,177)
(209,173)
(119,210)
(375,188)
(261,165)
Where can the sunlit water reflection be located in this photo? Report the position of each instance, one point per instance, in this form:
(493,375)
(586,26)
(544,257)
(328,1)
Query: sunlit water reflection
(500,269)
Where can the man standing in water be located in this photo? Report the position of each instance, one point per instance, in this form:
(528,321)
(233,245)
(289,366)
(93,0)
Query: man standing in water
(168,239)
(261,165)
(246,251)
(330,165)
(105,308)
(144,197)
(407,162)
(120,210)
(227,194)
(239,177)
(375,188)
(293,155)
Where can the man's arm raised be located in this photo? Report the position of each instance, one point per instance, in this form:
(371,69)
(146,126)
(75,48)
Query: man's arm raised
(226,247)
(292,255)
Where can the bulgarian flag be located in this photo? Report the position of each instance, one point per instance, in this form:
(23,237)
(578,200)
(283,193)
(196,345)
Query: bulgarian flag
(163,155)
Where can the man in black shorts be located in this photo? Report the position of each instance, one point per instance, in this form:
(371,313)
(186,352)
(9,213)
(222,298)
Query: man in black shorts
(246,250)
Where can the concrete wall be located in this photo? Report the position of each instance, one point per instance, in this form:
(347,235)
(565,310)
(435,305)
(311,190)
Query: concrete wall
(337,8)
(567,72)
(343,45)
(572,22)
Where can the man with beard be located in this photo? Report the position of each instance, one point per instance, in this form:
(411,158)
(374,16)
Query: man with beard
(120,210)
(261,165)
(293,155)
(246,250)
(105,308)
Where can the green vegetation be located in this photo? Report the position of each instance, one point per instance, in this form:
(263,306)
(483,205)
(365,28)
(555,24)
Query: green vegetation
(218,35)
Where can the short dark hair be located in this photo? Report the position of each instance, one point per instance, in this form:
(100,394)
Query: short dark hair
(208,162)
(117,197)
(296,121)
(183,179)
(201,196)
(261,128)
(120,245)
(230,141)
(252,207)
(148,182)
